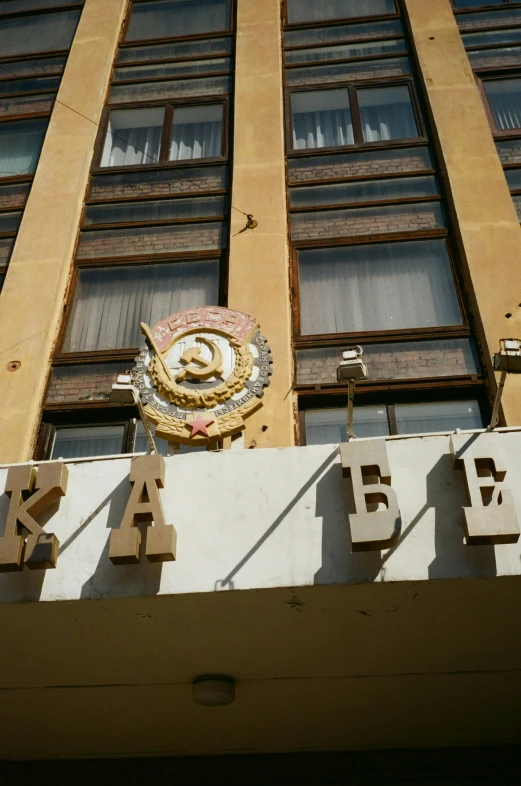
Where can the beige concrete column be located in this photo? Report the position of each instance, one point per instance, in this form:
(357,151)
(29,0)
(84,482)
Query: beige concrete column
(487,225)
(259,267)
(31,303)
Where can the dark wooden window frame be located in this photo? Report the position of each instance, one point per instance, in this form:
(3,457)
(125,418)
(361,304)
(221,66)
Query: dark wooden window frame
(355,337)
(182,59)
(163,161)
(333,22)
(344,41)
(129,353)
(359,59)
(76,417)
(174,77)
(352,88)
(489,75)
(486,47)
(196,36)
(415,392)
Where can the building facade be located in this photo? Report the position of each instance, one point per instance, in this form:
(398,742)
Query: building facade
(349,173)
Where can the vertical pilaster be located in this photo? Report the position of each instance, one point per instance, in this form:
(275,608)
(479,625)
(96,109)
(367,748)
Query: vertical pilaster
(259,259)
(487,225)
(31,303)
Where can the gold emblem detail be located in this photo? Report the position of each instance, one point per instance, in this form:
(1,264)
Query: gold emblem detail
(204,368)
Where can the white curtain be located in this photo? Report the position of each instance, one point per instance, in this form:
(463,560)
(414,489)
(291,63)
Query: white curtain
(51,32)
(438,416)
(111,302)
(318,10)
(386,113)
(321,118)
(388,286)
(133,137)
(505,99)
(20,146)
(196,132)
(89,441)
(329,426)
(169,18)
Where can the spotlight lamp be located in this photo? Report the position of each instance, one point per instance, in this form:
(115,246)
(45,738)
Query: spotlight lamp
(507,361)
(351,368)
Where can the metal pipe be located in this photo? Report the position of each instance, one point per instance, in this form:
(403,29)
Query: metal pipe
(350,407)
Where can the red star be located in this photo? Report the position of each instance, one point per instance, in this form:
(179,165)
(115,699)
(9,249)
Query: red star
(200,426)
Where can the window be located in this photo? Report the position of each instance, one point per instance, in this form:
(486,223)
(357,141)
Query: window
(84,441)
(347,116)
(20,145)
(135,136)
(504,97)
(320,10)
(177,18)
(389,286)
(47,32)
(329,426)
(110,302)
(477,3)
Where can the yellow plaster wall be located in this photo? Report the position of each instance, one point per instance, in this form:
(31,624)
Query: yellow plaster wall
(487,223)
(258,273)
(31,303)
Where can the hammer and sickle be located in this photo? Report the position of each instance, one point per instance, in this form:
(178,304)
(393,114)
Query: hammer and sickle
(204,368)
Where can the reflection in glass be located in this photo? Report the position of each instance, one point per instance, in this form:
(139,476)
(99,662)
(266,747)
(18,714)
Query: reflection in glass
(504,96)
(368,191)
(151,210)
(177,18)
(20,145)
(24,35)
(319,10)
(346,51)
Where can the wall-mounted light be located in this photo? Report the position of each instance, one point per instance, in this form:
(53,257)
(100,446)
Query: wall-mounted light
(351,368)
(213,690)
(508,361)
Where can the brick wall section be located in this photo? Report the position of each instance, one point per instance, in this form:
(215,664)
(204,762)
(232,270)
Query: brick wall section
(408,361)
(362,164)
(152,240)
(14,195)
(178,88)
(163,182)
(509,151)
(495,58)
(70,384)
(26,105)
(370,69)
(367,221)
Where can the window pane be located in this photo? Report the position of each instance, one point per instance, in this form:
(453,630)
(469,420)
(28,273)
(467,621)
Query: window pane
(173,51)
(216,65)
(9,222)
(133,137)
(475,3)
(177,18)
(178,88)
(151,210)
(369,191)
(505,17)
(36,85)
(23,35)
(321,118)
(26,105)
(513,177)
(317,10)
(141,442)
(492,37)
(6,249)
(14,195)
(346,51)
(387,113)
(110,303)
(388,286)
(505,101)
(20,145)
(329,426)
(438,416)
(45,65)
(359,70)
(197,132)
(13,6)
(88,441)
(338,33)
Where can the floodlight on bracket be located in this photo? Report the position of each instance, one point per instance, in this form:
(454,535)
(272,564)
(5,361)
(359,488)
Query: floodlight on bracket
(125,392)
(351,368)
(507,361)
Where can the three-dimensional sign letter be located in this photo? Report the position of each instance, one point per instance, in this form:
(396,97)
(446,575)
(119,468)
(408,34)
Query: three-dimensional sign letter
(367,465)
(40,549)
(147,474)
(491,517)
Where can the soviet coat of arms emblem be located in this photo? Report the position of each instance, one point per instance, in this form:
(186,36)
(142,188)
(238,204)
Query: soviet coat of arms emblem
(201,372)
